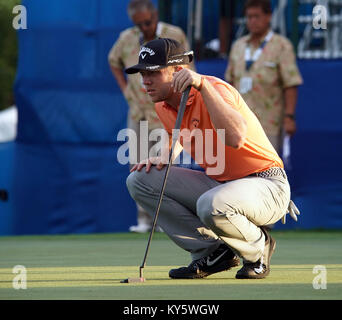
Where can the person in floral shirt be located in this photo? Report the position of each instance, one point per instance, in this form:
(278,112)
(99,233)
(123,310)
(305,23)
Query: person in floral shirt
(124,53)
(262,66)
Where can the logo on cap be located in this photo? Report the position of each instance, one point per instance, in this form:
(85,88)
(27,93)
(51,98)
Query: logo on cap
(175,61)
(153,67)
(146,49)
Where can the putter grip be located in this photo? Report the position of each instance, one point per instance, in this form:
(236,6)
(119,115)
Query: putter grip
(182,106)
(179,119)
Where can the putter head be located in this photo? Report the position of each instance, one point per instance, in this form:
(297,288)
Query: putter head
(133,280)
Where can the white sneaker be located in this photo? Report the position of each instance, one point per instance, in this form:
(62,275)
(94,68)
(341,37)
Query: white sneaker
(140,228)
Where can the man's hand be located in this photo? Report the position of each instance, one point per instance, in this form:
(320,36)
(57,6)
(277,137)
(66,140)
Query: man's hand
(156,161)
(184,78)
(290,126)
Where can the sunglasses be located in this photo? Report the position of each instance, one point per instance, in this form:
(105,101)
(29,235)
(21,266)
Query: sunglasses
(145,23)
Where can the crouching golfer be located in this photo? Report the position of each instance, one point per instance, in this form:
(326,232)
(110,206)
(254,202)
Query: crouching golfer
(218,215)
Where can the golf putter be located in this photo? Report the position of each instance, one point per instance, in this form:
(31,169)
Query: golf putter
(179,119)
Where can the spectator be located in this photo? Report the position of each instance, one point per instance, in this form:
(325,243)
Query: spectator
(125,53)
(262,66)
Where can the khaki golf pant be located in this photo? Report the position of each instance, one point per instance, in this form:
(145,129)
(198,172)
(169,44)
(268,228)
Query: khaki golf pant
(199,213)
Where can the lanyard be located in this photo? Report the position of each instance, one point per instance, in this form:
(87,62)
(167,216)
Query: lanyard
(251,59)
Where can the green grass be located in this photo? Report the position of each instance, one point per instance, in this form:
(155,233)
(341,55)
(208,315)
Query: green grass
(91,267)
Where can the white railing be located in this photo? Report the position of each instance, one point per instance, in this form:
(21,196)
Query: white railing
(314,43)
(325,40)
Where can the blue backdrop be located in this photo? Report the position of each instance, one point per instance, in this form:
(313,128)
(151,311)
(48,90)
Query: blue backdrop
(62,172)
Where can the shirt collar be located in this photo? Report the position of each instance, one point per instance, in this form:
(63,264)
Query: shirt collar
(248,39)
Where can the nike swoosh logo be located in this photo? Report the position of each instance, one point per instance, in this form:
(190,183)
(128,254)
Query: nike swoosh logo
(210,263)
(259,270)
(143,56)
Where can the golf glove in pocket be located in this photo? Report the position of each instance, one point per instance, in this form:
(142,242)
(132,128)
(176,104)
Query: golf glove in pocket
(293,211)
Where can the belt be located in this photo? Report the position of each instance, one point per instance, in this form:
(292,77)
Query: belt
(269,173)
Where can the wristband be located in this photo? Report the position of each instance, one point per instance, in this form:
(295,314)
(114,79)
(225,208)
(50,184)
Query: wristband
(291,116)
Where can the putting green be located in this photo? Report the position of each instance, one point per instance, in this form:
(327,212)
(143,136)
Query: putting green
(92,266)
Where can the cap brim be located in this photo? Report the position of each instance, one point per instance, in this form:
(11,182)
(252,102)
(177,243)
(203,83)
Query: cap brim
(138,67)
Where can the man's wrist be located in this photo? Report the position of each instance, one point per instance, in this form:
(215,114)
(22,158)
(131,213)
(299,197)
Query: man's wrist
(290,116)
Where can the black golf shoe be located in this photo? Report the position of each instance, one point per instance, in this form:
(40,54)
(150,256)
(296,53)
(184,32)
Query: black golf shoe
(223,258)
(261,268)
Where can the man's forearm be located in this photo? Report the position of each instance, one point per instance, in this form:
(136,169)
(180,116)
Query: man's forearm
(120,77)
(224,116)
(290,95)
(290,109)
